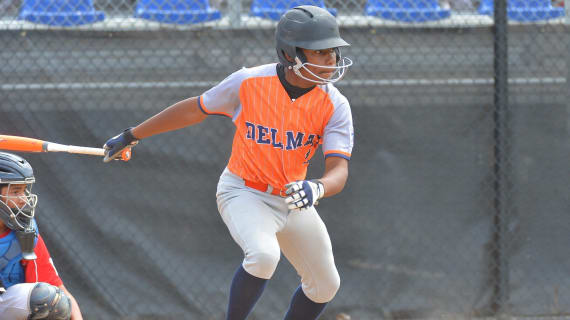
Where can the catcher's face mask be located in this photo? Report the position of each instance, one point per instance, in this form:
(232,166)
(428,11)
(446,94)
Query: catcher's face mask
(17,209)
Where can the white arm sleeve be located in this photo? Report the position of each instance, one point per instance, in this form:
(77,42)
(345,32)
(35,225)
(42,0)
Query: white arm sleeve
(338,137)
(223,99)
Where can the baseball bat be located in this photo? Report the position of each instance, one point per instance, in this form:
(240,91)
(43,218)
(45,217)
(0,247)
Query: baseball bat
(24,144)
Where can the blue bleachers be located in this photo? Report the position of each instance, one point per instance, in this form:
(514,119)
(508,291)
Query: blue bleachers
(525,10)
(406,10)
(60,12)
(274,9)
(176,11)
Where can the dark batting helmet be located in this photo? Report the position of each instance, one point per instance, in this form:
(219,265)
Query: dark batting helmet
(17,209)
(313,28)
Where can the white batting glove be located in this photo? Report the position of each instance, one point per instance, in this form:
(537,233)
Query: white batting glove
(304,194)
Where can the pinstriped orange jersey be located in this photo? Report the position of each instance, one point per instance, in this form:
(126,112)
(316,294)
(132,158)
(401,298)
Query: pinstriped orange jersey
(275,136)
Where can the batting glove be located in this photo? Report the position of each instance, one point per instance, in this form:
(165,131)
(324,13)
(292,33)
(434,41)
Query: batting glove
(304,194)
(115,146)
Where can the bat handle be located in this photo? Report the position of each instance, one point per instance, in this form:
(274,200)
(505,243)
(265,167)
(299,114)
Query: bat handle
(56,147)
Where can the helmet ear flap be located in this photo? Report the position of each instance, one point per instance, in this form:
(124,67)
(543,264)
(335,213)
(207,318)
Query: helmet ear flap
(288,57)
(337,53)
(301,54)
(286,54)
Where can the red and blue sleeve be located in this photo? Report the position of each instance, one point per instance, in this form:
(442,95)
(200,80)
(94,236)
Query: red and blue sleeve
(42,269)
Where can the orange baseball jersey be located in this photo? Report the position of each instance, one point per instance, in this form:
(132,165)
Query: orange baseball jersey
(276,136)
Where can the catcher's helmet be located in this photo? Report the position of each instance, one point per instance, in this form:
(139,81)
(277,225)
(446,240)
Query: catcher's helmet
(313,28)
(16,212)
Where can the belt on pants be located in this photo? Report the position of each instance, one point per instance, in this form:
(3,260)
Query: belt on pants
(264,187)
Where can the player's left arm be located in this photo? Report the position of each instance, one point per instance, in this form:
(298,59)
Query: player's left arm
(75,311)
(306,193)
(337,147)
(335,176)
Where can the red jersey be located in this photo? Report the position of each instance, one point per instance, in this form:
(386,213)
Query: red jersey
(42,269)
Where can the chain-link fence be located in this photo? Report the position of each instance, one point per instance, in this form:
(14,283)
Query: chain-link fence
(457,202)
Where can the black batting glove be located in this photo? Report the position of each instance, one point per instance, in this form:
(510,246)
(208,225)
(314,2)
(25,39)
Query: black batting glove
(304,194)
(117,144)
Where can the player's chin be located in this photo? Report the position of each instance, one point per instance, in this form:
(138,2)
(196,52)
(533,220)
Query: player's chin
(326,72)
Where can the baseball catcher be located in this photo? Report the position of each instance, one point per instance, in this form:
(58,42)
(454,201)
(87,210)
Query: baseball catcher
(30,287)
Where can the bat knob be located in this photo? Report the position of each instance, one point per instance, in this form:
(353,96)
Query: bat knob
(126,154)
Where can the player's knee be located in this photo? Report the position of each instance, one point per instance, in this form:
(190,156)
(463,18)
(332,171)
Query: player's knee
(328,288)
(261,264)
(323,288)
(49,302)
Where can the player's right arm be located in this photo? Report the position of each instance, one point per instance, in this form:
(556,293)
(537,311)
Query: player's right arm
(222,99)
(179,115)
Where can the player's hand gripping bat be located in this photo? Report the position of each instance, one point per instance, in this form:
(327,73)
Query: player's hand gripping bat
(23,144)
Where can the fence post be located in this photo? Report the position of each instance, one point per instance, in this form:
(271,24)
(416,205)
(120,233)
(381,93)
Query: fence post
(567,9)
(501,161)
(234,12)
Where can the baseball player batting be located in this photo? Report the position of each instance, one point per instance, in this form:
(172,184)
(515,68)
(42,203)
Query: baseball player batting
(282,113)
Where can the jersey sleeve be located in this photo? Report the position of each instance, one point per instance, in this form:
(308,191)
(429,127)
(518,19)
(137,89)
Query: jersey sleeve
(223,99)
(338,138)
(42,269)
